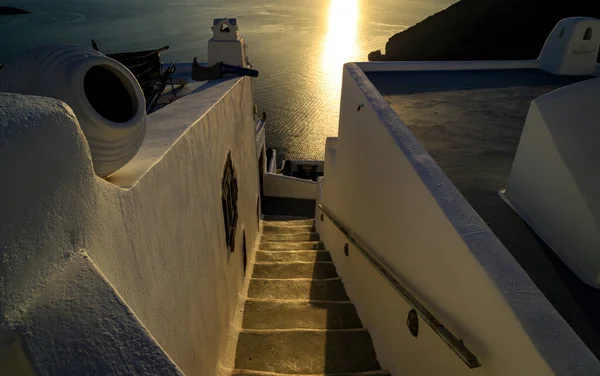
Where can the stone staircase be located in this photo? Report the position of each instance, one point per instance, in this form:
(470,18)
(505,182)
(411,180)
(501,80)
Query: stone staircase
(297,317)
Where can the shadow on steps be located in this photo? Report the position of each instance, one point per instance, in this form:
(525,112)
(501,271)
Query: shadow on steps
(293,208)
(348,350)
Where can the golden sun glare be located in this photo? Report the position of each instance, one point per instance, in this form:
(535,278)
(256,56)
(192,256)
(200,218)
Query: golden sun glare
(339,44)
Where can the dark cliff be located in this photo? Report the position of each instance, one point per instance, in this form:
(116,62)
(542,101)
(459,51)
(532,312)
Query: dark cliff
(6,11)
(484,30)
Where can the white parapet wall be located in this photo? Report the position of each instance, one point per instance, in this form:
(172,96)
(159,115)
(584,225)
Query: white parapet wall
(404,208)
(570,49)
(277,185)
(153,232)
(554,181)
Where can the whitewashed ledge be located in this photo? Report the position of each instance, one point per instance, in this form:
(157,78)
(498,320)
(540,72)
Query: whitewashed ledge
(167,125)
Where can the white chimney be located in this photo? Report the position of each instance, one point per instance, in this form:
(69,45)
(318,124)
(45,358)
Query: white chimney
(572,47)
(226,45)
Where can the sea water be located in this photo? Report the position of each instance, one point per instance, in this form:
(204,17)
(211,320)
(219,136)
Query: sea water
(299,47)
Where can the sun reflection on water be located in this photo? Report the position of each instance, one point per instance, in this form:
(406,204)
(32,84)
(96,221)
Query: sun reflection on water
(340,42)
(339,46)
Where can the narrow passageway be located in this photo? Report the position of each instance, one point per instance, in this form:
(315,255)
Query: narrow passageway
(297,317)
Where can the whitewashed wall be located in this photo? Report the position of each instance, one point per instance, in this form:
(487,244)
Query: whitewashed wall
(260,137)
(52,296)
(174,270)
(404,208)
(407,66)
(278,185)
(554,182)
(154,229)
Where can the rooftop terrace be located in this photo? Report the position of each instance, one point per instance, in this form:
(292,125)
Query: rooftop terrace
(470,122)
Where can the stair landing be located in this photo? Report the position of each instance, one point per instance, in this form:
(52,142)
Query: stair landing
(298,319)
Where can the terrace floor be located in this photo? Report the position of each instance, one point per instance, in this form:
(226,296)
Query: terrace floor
(470,122)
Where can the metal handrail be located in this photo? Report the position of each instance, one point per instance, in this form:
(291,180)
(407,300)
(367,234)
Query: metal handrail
(456,344)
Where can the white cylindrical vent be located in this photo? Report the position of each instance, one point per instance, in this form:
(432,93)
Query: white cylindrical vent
(104,95)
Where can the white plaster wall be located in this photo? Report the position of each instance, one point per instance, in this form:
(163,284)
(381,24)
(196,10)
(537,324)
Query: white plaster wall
(278,185)
(319,200)
(69,317)
(400,66)
(405,209)
(164,244)
(260,138)
(160,242)
(554,180)
(397,66)
(80,326)
(272,167)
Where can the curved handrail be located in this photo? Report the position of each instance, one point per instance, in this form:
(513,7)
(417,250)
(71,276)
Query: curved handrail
(456,344)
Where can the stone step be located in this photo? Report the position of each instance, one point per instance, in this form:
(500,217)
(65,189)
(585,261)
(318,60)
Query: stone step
(291,256)
(329,290)
(276,315)
(288,229)
(283,270)
(291,250)
(288,223)
(307,352)
(291,245)
(284,218)
(303,236)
